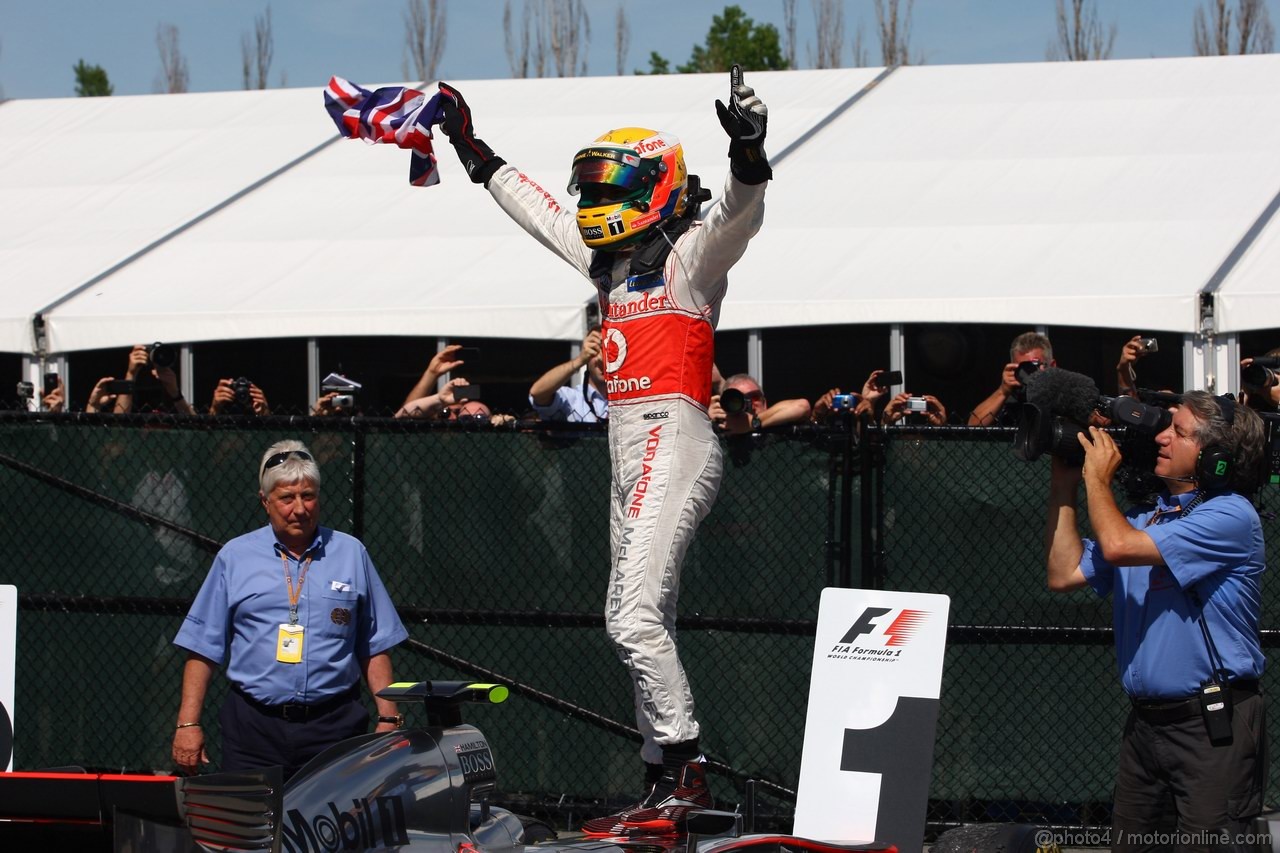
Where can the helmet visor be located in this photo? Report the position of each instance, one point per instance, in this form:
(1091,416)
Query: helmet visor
(606,176)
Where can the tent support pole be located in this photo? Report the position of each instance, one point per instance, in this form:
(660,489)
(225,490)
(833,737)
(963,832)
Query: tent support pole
(313,371)
(755,356)
(897,347)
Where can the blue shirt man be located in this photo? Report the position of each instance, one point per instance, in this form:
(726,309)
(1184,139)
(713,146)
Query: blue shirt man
(298,614)
(1184,577)
(1215,552)
(568,404)
(553,396)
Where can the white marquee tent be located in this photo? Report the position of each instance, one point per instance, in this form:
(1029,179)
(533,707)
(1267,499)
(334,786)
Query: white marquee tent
(1103,194)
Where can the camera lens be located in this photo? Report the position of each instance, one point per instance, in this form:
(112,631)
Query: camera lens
(161,355)
(1256,378)
(733,401)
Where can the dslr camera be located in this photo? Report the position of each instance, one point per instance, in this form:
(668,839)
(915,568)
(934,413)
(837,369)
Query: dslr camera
(242,404)
(162,355)
(733,401)
(1259,377)
(1023,373)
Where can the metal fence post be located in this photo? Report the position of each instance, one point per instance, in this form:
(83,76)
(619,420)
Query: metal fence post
(357,479)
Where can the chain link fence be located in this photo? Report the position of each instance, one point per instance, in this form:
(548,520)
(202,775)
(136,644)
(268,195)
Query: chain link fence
(494,546)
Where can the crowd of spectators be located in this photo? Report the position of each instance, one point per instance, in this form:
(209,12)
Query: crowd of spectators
(575,391)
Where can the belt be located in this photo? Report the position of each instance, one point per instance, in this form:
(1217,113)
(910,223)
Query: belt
(1161,711)
(296,712)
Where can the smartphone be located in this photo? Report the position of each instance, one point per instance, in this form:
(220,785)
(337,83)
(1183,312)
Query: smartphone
(889,377)
(466,392)
(917,404)
(120,386)
(470,355)
(50,382)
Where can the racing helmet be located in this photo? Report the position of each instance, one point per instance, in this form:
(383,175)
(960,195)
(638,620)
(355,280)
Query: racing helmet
(627,181)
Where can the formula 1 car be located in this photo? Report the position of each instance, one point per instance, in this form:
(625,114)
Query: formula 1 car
(419,789)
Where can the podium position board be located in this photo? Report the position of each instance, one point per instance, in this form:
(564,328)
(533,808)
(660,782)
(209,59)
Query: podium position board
(8,658)
(873,713)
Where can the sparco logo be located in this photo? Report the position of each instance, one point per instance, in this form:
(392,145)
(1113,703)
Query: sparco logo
(376,823)
(656,416)
(897,634)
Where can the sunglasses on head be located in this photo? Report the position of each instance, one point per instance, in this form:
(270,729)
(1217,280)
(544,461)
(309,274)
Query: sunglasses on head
(279,458)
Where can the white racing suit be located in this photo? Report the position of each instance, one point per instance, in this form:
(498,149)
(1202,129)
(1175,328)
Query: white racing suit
(658,336)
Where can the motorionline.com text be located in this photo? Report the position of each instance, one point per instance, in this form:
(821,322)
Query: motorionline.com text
(1102,838)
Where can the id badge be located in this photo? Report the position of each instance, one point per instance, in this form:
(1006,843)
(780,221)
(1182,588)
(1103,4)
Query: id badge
(289,644)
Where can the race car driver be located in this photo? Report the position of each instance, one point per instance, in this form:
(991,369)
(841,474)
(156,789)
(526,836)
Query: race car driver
(661,275)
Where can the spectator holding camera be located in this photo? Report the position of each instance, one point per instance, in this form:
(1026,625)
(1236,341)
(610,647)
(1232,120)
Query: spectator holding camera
(101,399)
(441,363)
(1029,352)
(1126,376)
(437,405)
(54,399)
(154,362)
(918,410)
(872,396)
(553,396)
(741,407)
(238,397)
(1260,382)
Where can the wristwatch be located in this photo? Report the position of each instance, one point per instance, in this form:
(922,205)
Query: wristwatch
(398,719)
(755,422)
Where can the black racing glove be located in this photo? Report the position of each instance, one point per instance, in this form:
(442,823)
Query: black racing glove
(477,158)
(745,120)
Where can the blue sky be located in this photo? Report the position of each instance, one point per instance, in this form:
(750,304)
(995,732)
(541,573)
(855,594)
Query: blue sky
(40,40)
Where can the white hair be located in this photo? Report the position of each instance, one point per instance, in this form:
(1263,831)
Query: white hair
(293,469)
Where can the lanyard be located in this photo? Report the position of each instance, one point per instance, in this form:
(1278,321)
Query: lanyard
(288,579)
(1176,511)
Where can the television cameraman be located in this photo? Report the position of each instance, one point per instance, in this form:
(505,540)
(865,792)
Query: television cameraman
(1184,575)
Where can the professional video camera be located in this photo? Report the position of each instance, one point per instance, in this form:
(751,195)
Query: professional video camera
(1058,409)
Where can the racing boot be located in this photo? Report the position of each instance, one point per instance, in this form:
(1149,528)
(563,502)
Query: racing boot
(679,791)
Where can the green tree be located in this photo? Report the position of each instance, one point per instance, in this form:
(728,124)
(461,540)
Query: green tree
(658,64)
(91,80)
(733,38)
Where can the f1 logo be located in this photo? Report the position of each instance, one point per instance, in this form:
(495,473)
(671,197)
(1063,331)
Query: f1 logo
(864,624)
(899,632)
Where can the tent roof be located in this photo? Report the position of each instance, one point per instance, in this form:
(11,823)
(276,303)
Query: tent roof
(87,182)
(1249,297)
(1090,193)
(340,244)
(1101,193)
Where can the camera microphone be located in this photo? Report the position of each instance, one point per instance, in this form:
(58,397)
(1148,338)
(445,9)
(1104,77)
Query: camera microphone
(1072,395)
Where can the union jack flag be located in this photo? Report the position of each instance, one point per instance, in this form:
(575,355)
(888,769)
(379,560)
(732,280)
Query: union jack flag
(392,114)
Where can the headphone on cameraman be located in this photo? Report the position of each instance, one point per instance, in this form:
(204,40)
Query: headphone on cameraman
(1217,463)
